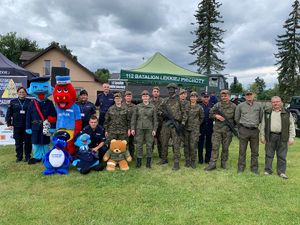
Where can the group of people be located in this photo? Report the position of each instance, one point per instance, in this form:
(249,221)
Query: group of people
(177,121)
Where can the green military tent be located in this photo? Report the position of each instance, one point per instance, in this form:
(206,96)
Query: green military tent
(159,70)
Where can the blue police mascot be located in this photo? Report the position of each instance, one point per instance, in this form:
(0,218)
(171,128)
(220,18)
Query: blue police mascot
(58,160)
(86,159)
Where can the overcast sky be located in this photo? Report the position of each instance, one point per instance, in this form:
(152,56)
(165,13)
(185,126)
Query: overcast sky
(119,34)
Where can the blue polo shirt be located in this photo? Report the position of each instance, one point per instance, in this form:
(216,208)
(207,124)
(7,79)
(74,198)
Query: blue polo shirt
(66,117)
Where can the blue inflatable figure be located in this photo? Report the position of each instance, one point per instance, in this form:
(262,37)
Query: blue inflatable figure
(86,159)
(58,160)
(40,117)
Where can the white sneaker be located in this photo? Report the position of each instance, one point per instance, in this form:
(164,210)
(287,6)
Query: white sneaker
(267,173)
(282,175)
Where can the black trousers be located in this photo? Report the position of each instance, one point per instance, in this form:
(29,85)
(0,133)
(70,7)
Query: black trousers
(22,143)
(205,137)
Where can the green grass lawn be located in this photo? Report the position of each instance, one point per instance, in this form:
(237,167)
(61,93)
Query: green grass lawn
(156,196)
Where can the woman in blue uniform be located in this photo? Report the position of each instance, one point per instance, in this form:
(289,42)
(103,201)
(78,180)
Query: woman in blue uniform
(16,120)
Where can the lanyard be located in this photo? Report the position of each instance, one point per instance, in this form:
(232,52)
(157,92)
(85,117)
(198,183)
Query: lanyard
(22,105)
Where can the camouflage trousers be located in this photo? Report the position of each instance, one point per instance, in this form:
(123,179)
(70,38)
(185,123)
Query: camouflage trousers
(144,136)
(117,136)
(165,135)
(219,137)
(158,141)
(191,139)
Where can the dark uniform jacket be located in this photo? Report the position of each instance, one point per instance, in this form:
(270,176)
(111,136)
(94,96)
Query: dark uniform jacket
(87,109)
(207,125)
(15,115)
(97,135)
(104,102)
(35,123)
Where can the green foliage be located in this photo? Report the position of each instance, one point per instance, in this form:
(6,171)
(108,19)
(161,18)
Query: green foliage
(65,49)
(12,46)
(258,87)
(288,56)
(236,87)
(103,74)
(207,45)
(156,196)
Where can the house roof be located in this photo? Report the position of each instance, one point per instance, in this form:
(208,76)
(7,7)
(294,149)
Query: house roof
(26,55)
(55,46)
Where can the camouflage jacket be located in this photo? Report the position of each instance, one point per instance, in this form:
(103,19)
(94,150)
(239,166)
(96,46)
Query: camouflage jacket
(228,109)
(195,117)
(157,102)
(175,107)
(130,107)
(144,117)
(117,120)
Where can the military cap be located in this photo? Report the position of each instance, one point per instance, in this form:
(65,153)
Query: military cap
(118,94)
(181,91)
(248,92)
(145,92)
(204,94)
(194,93)
(64,135)
(128,93)
(172,85)
(83,92)
(224,92)
(156,87)
(39,79)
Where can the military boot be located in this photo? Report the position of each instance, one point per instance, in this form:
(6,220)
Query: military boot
(148,164)
(223,165)
(162,161)
(138,162)
(193,164)
(187,163)
(211,166)
(176,166)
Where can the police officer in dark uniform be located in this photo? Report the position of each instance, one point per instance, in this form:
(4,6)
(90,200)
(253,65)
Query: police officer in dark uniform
(97,135)
(206,130)
(104,101)
(87,109)
(16,119)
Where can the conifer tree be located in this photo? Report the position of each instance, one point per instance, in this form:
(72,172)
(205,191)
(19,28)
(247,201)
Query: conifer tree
(207,46)
(288,56)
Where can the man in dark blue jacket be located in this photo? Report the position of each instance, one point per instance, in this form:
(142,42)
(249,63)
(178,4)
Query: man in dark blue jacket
(103,102)
(206,130)
(16,120)
(87,109)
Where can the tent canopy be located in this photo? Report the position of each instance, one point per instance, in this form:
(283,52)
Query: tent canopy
(160,70)
(8,68)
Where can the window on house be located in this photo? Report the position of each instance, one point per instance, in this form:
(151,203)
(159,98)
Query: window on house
(62,63)
(47,67)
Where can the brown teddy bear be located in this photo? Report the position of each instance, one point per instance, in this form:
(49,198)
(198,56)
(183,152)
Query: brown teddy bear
(117,154)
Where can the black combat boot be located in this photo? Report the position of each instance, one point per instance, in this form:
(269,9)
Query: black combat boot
(138,162)
(148,164)
(211,166)
(162,161)
(187,163)
(176,166)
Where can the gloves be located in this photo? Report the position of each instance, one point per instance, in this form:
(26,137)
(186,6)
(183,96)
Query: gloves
(28,131)
(52,130)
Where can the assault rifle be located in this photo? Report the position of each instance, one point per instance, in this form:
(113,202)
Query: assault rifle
(167,115)
(227,122)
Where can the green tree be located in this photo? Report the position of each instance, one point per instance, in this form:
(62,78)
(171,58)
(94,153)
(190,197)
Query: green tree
(236,87)
(258,87)
(65,49)
(272,92)
(12,46)
(288,56)
(103,74)
(207,45)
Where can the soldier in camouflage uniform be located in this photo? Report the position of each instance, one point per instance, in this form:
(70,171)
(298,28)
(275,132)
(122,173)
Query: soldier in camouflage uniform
(130,107)
(156,100)
(222,133)
(117,121)
(185,104)
(175,108)
(191,133)
(143,127)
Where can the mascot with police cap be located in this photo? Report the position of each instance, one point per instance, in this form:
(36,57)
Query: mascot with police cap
(68,113)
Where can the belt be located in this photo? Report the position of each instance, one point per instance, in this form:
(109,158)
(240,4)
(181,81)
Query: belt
(276,133)
(250,128)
